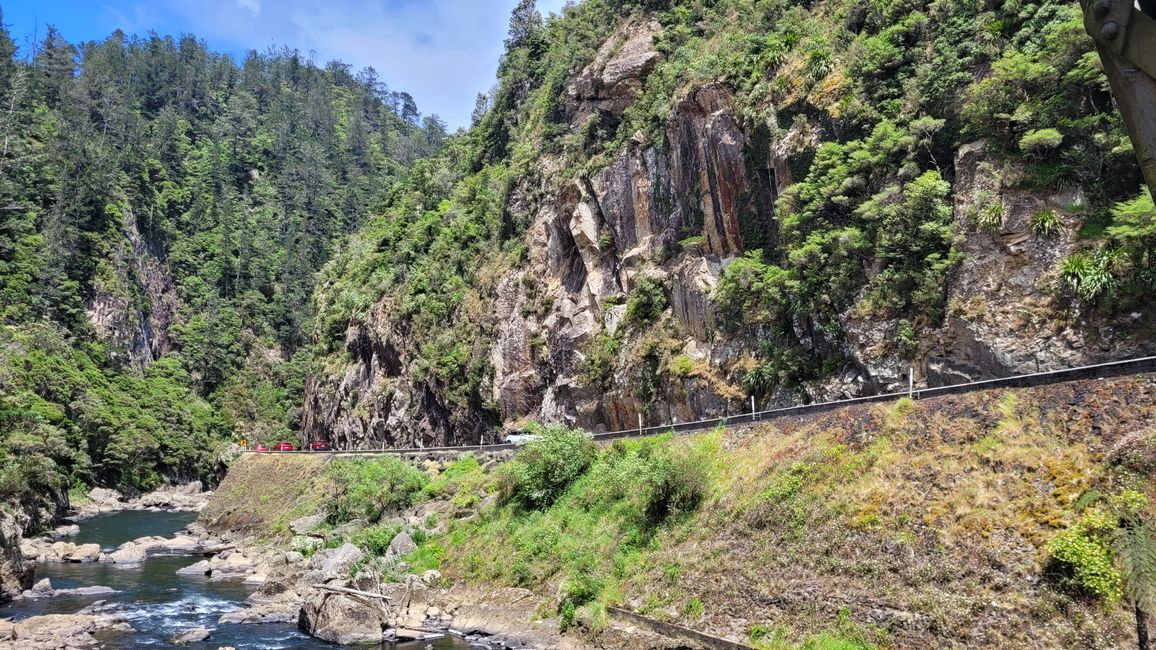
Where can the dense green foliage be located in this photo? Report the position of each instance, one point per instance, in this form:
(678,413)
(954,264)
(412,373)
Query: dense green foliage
(1119,272)
(1110,551)
(369,489)
(547,466)
(619,497)
(185,202)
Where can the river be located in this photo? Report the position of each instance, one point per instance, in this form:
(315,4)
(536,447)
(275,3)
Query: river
(157,601)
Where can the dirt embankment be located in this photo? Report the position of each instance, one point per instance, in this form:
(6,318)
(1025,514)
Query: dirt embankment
(262,493)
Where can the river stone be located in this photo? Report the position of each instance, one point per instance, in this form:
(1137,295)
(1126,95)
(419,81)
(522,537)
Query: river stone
(85,553)
(86,591)
(402,544)
(270,613)
(193,487)
(65,531)
(42,587)
(128,553)
(29,550)
(189,637)
(195,569)
(293,557)
(60,551)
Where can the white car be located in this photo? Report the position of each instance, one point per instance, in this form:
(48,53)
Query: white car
(521,438)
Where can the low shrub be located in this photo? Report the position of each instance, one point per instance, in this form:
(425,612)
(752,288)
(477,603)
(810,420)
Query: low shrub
(1084,565)
(647,300)
(577,590)
(375,539)
(370,488)
(543,470)
(1041,142)
(1047,224)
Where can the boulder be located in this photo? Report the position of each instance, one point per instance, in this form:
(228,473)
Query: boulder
(128,553)
(189,637)
(193,487)
(85,553)
(103,496)
(336,561)
(41,588)
(62,630)
(270,613)
(85,591)
(402,544)
(342,619)
(293,557)
(306,524)
(60,551)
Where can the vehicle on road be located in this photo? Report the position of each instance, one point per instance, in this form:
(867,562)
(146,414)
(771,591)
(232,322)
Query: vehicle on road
(318,445)
(261,447)
(284,446)
(521,438)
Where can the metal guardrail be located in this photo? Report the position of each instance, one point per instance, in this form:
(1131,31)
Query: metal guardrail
(1136,366)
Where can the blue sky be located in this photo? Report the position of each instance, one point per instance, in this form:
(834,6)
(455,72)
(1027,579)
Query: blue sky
(443,52)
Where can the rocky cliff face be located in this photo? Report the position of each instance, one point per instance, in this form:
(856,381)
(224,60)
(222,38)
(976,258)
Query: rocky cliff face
(134,300)
(15,572)
(678,211)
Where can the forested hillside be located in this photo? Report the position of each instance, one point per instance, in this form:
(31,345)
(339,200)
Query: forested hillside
(163,211)
(667,207)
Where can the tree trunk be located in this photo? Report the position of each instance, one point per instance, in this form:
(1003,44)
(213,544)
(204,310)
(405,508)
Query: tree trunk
(1141,628)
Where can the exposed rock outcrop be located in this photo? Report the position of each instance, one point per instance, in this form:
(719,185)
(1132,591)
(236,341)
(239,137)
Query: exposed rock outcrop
(61,631)
(15,571)
(678,208)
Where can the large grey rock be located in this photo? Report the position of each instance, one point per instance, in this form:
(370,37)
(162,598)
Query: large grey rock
(306,524)
(65,531)
(104,496)
(269,613)
(85,553)
(402,544)
(336,561)
(127,553)
(194,487)
(61,630)
(342,619)
(201,568)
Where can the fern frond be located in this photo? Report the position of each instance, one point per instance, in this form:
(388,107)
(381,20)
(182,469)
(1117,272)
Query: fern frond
(1135,544)
(1086,499)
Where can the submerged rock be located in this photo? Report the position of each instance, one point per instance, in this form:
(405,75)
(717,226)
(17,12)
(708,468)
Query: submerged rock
(189,637)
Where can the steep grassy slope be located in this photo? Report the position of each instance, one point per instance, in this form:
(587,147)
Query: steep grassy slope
(900,525)
(671,207)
